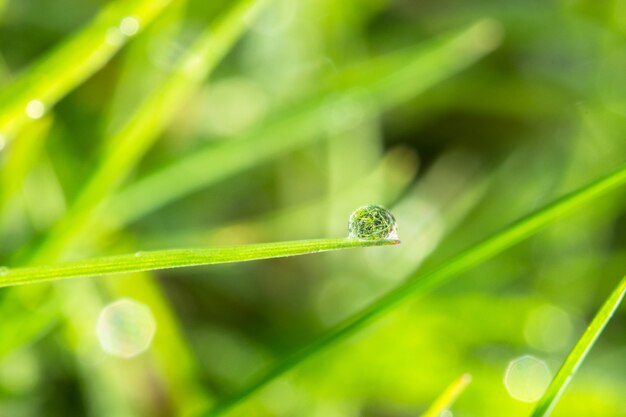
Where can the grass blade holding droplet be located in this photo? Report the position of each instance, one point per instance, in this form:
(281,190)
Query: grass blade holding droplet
(448,397)
(72,62)
(579,352)
(148,261)
(423,282)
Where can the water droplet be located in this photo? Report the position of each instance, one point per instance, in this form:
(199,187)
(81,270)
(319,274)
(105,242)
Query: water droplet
(129,26)
(526,378)
(35,109)
(139,253)
(4,270)
(125,328)
(372,222)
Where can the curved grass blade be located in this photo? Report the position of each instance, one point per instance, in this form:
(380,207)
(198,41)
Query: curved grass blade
(579,352)
(449,396)
(383,82)
(141,130)
(72,62)
(422,283)
(127,146)
(148,261)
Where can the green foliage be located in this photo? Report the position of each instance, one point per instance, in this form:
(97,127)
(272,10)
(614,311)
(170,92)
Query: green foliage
(579,352)
(153,260)
(141,127)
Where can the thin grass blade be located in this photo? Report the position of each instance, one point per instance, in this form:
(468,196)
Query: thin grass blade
(381,82)
(422,283)
(448,397)
(139,133)
(579,352)
(75,60)
(148,261)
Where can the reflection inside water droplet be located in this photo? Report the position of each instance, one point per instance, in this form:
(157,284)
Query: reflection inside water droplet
(372,222)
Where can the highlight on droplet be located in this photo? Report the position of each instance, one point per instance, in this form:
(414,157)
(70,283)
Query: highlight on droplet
(372,222)
(35,109)
(125,328)
(527,378)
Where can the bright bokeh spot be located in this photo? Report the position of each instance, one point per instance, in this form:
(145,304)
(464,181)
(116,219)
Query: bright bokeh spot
(35,109)
(114,36)
(526,378)
(548,328)
(125,328)
(129,26)
(3,142)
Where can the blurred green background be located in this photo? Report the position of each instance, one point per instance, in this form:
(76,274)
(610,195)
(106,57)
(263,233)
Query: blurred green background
(458,116)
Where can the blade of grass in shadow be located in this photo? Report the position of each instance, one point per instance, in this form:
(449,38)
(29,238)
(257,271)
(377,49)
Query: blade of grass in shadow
(579,352)
(382,82)
(148,261)
(421,283)
(448,397)
(138,134)
(75,60)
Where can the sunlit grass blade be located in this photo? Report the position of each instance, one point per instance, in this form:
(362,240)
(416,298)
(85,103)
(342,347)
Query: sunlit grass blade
(148,261)
(423,282)
(21,157)
(381,82)
(142,129)
(448,397)
(579,352)
(75,60)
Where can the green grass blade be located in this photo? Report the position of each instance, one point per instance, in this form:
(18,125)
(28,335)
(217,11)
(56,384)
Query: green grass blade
(148,261)
(449,396)
(138,134)
(22,157)
(383,82)
(421,283)
(72,62)
(579,352)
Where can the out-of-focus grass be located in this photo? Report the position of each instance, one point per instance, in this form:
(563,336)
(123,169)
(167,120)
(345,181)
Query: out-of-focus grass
(62,69)
(321,107)
(579,352)
(425,282)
